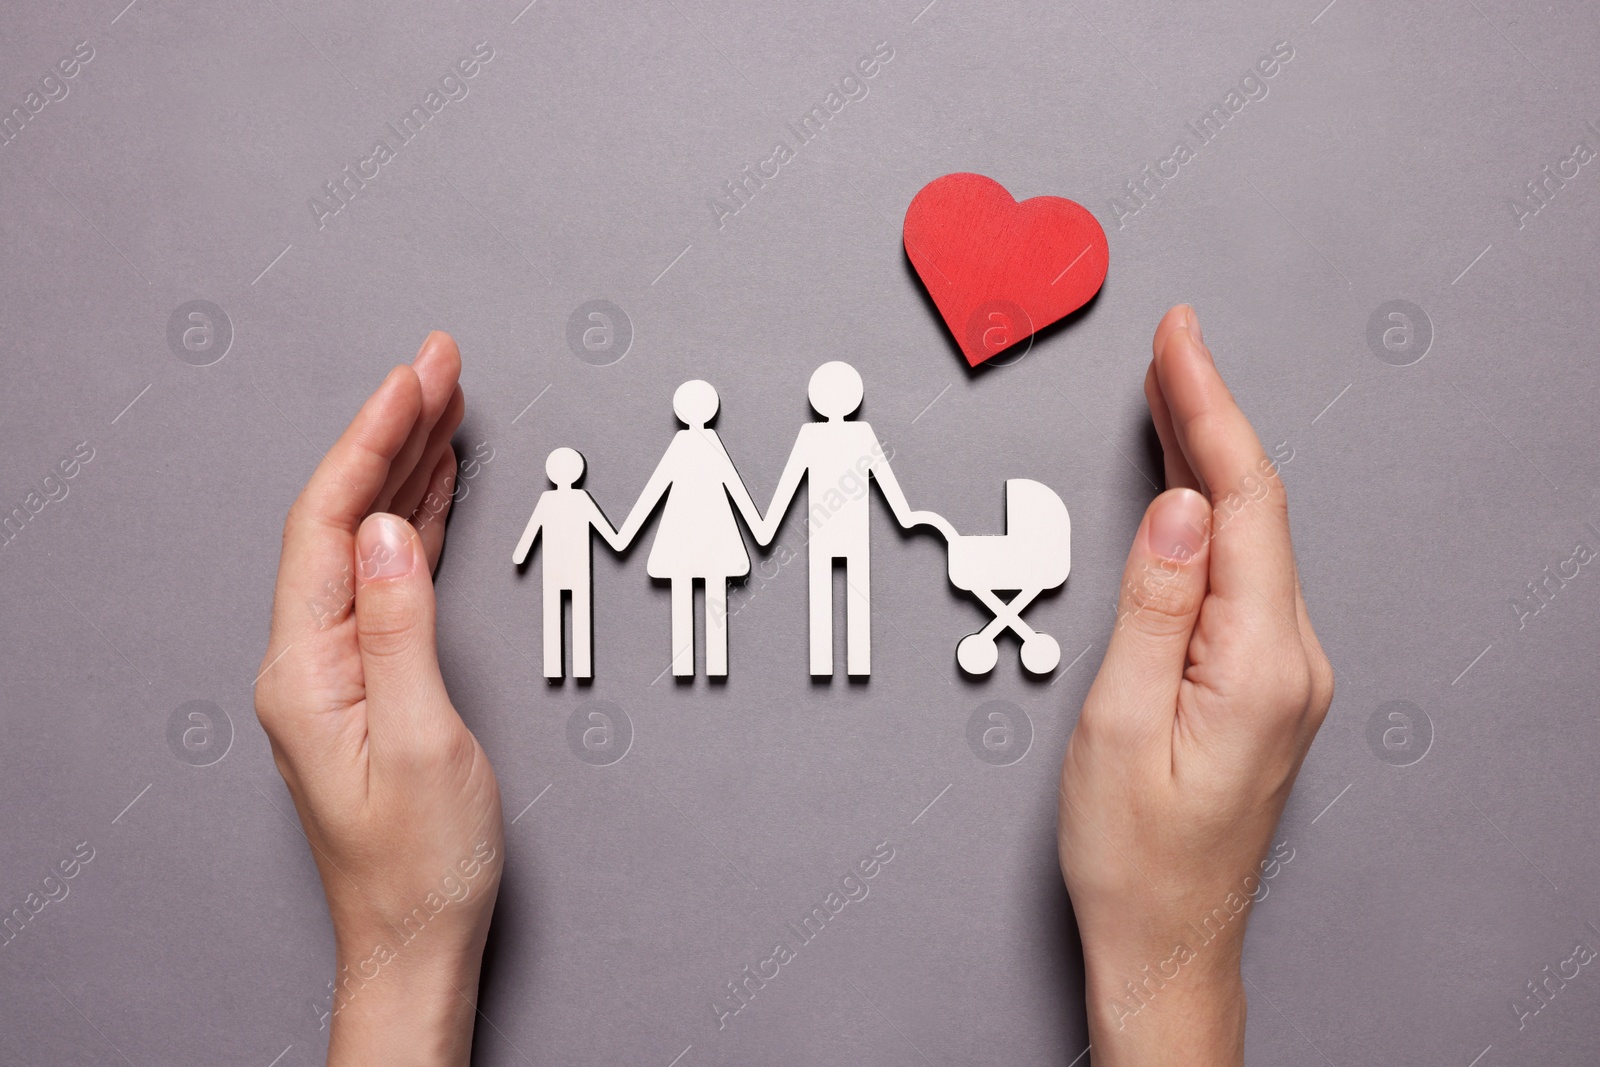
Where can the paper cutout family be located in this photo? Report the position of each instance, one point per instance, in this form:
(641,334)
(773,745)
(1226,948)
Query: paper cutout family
(699,538)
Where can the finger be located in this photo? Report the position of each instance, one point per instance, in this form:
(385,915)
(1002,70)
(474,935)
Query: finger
(1163,586)
(354,470)
(438,369)
(319,531)
(430,515)
(410,495)
(1250,522)
(1178,474)
(1177,317)
(1177,467)
(1321,669)
(395,631)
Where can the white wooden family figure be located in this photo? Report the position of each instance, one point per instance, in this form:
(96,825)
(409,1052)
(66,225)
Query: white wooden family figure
(565,515)
(699,537)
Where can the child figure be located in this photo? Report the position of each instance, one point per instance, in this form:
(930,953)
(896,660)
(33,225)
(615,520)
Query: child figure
(565,515)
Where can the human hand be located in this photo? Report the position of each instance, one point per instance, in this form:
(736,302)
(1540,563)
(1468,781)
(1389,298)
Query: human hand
(1192,734)
(395,795)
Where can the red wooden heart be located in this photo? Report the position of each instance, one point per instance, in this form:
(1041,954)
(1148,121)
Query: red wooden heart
(998,270)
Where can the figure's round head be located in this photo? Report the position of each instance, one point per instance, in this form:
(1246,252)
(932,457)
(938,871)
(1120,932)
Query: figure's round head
(695,403)
(835,390)
(564,467)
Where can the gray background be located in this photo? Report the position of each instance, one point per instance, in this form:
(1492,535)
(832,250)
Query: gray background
(1380,166)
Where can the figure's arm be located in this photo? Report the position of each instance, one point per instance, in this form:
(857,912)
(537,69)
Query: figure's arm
(531,531)
(767,528)
(937,521)
(883,474)
(654,490)
(598,520)
(742,500)
(889,486)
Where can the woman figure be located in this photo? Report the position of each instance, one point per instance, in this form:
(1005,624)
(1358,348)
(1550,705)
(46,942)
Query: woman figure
(698,538)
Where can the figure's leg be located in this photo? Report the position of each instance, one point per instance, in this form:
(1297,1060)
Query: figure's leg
(821,615)
(552,630)
(716,627)
(858,614)
(683,627)
(582,631)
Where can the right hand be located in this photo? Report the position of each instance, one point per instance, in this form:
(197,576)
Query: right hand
(1191,736)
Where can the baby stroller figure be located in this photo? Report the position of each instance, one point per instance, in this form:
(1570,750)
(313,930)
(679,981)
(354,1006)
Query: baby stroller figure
(566,515)
(1034,554)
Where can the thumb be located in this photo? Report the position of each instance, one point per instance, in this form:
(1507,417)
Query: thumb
(395,625)
(1163,585)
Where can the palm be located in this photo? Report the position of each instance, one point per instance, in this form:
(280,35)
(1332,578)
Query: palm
(395,457)
(1214,683)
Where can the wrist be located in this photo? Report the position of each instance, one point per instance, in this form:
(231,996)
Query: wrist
(1178,1007)
(399,1006)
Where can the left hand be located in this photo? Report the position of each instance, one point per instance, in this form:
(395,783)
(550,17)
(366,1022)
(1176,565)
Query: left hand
(395,795)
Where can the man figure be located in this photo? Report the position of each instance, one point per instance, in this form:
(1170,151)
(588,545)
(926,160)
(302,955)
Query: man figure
(565,515)
(837,458)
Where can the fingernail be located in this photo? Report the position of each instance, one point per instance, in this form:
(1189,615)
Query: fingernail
(1178,525)
(428,341)
(1192,320)
(1200,346)
(383,548)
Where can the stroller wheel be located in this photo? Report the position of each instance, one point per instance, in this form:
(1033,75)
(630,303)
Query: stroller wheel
(977,654)
(1041,653)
